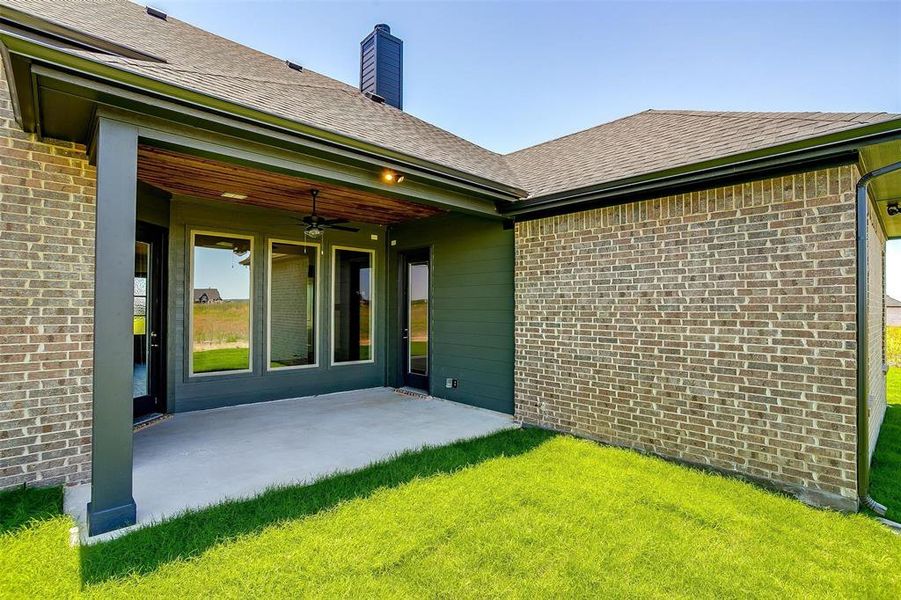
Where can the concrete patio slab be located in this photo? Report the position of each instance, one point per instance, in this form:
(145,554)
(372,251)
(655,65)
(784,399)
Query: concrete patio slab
(198,459)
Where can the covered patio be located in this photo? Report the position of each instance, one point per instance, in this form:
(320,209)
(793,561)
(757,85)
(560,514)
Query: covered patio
(261,275)
(240,257)
(197,459)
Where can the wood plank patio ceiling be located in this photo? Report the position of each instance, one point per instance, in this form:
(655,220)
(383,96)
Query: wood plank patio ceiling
(200,177)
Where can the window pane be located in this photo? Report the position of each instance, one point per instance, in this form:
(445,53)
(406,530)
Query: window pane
(352,305)
(139,320)
(418,314)
(221,303)
(292,305)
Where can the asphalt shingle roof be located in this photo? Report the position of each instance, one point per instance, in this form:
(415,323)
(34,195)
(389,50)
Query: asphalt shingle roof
(213,65)
(655,140)
(643,143)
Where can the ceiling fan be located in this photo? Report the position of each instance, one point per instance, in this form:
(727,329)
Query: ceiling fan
(316,225)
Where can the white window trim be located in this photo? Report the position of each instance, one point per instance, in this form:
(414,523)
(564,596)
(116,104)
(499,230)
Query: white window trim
(316,305)
(190,302)
(372,307)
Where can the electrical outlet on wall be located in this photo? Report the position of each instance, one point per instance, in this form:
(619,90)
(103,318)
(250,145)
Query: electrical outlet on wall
(450,383)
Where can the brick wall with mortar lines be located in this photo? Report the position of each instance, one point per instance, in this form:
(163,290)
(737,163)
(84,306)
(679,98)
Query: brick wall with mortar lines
(876,396)
(716,327)
(47,193)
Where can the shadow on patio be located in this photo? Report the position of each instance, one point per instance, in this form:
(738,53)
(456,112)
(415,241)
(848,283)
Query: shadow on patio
(147,549)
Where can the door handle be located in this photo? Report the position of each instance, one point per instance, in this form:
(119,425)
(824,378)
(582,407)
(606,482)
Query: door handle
(406,334)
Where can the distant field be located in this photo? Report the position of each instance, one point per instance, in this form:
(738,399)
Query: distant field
(419,317)
(221,336)
(221,323)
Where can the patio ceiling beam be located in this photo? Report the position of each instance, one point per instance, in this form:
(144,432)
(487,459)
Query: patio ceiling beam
(112,505)
(191,175)
(200,142)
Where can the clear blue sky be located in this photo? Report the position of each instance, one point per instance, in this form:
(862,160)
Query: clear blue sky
(511,74)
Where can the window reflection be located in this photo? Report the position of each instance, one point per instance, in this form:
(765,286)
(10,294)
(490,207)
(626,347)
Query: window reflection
(221,303)
(140,326)
(292,305)
(352,306)
(418,316)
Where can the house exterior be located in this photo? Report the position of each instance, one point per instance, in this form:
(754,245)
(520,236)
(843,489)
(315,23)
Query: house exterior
(206,295)
(892,312)
(703,286)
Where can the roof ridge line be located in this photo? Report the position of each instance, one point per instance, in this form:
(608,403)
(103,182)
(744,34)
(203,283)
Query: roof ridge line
(762,115)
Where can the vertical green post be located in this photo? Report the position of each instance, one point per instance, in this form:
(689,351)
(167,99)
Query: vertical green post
(112,505)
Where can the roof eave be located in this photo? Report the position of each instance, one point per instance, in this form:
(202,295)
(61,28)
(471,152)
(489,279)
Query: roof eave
(36,51)
(835,148)
(71,35)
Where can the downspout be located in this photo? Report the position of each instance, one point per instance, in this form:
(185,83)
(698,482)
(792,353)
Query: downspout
(863,418)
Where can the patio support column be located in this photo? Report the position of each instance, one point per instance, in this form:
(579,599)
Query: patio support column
(112,505)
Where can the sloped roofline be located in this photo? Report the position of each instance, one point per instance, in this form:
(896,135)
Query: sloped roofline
(832,149)
(36,50)
(835,147)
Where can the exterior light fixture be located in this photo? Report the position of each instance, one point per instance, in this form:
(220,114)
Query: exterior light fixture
(892,209)
(391,177)
(234,196)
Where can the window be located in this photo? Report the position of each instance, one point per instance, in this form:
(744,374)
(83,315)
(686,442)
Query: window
(221,276)
(139,319)
(292,304)
(352,306)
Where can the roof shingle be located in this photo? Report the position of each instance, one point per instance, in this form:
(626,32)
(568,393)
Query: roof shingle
(656,140)
(639,144)
(206,63)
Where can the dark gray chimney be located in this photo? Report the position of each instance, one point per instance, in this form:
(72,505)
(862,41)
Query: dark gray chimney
(382,66)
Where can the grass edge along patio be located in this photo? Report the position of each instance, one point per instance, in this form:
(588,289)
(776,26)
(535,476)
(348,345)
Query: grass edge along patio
(471,519)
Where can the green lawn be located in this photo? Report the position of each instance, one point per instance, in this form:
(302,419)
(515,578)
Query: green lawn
(519,514)
(885,481)
(224,359)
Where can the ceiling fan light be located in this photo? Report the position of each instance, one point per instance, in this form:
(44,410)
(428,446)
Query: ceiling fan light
(313,232)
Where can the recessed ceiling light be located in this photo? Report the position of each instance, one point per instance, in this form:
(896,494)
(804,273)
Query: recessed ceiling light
(234,196)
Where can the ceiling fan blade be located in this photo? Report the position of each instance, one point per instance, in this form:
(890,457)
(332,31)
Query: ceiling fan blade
(335,221)
(340,228)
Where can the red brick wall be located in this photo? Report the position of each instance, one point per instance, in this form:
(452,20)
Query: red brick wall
(47,195)
(716,327)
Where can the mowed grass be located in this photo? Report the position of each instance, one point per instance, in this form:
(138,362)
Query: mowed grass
(221,323)
(885,479)
(518,514)
(893,346)
(224,359)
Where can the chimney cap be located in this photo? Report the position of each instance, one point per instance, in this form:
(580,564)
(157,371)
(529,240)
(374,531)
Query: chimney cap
(383,27)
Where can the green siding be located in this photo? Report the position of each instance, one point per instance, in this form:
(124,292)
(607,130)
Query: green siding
(152,206)
(210,391)
(471,307)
